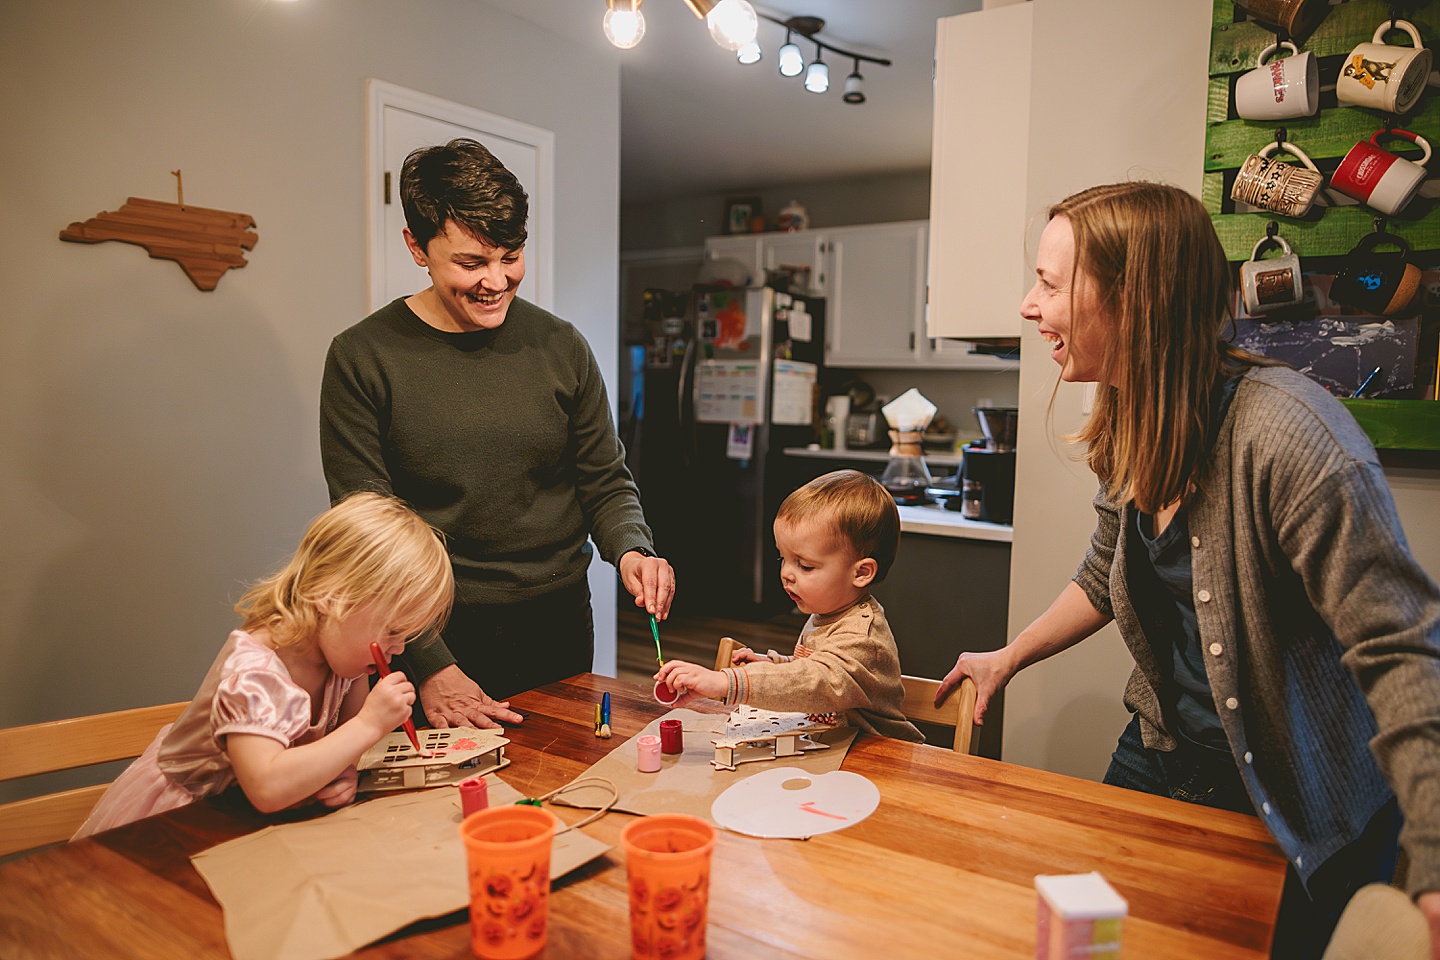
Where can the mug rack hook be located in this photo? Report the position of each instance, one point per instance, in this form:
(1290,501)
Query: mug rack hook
(1379,224)
(1280,135)
(1271,229)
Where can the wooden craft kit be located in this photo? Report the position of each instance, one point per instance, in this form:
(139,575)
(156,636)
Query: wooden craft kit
(752,735)
(455,754)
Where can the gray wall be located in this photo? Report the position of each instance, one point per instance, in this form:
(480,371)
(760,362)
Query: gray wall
(687,221)
(1065,714)
(158,445)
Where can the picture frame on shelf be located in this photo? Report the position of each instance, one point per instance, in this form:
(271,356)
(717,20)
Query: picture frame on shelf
(739,213)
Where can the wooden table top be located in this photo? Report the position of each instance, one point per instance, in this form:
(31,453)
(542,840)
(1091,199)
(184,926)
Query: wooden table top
(945,865)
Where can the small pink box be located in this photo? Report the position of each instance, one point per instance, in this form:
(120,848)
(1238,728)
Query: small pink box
(1078,917)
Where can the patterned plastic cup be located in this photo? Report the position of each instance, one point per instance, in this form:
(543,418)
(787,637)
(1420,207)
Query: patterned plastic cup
(667,858)
(508,852)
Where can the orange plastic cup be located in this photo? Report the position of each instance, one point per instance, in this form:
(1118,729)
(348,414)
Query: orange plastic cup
(668,861)
(508,851)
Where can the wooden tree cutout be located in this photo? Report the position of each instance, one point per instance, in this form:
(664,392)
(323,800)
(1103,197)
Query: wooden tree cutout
(204,242)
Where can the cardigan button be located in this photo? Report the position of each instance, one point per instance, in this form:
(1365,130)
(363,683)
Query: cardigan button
(1265,807)
(1249,757)
(1232,703)
(1204,596)
(1216,649)
(1194,541)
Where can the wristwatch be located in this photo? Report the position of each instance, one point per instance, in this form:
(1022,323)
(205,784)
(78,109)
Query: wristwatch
(643,551)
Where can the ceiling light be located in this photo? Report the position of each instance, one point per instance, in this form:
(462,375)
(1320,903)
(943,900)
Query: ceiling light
(750,53)
(791,60)
(817,76)
(732,23)
(624,24)
(853,93)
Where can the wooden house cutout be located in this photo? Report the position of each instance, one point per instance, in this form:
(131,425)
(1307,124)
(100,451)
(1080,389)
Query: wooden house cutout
(752,734)
(456,753)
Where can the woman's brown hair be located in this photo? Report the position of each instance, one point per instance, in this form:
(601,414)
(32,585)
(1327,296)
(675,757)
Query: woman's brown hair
(1162,284)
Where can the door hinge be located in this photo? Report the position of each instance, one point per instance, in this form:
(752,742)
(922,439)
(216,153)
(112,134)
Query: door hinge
(387,187)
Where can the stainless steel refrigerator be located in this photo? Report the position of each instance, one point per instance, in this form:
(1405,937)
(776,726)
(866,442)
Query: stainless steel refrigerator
(718,406)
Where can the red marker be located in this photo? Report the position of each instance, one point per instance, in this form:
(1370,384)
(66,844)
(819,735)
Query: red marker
(384,669)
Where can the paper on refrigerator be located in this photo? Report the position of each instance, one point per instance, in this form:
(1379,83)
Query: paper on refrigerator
(728,391)
(794,392)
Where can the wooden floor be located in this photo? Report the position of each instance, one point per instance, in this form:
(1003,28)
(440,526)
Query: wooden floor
(693,638)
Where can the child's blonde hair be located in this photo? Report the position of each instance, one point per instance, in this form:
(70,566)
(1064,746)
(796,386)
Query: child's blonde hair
(860,510)
(368,547)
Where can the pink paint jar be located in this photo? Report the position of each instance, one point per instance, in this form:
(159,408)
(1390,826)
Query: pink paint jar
(647,749)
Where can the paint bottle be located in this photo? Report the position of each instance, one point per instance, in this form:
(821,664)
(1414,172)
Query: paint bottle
(648,754)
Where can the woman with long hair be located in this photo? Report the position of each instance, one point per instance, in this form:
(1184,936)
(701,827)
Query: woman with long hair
(1287,644)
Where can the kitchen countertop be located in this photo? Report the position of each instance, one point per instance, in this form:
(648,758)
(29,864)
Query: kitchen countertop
(937,521)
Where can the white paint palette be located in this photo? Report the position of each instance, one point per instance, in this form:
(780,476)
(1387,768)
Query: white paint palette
(791,803)
(456,753)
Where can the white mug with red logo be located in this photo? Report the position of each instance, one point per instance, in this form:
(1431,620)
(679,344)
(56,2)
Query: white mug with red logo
(1385,76)
(1281,89)
(1378,178)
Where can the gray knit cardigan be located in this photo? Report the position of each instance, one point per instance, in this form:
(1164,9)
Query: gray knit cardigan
(1301,573)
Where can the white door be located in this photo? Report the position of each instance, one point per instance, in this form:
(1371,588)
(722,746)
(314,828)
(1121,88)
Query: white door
(400,121)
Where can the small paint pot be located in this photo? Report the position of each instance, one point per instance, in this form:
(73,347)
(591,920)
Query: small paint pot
(672,737)
(664,695)
(647,749)
(474,795)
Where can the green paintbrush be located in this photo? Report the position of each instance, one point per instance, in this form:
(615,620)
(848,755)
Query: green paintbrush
(655,632)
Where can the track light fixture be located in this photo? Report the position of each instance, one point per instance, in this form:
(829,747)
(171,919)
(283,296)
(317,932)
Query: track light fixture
(733,25)
(817,75)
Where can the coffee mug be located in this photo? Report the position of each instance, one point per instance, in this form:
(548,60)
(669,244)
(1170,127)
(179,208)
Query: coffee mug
(1269,183)
(1271,284)
(1378,283)
(1379,178)
(1281,89)
(1385,76)
(1295,17)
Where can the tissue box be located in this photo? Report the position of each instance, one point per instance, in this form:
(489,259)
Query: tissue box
(1078,917)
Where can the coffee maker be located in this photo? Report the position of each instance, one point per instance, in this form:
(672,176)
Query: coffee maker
(987,473)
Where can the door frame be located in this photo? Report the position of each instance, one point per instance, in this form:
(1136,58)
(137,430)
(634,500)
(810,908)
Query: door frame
(380,94)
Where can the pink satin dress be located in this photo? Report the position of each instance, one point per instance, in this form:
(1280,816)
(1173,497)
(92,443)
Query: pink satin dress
(248,690)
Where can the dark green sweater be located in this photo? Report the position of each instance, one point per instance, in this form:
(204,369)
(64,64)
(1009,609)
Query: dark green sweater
(501,438)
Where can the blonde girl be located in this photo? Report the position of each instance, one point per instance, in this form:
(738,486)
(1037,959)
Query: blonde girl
(280,712)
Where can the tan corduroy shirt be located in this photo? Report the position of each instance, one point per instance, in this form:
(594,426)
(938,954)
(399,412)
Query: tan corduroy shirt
(845,661)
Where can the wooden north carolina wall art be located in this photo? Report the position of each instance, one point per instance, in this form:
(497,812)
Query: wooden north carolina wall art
(204,242)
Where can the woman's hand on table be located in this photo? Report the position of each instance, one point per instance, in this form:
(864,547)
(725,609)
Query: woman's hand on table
(650,580)
(451,699)
(990,671)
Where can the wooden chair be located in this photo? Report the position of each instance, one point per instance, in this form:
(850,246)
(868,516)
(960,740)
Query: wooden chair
(65,745)
(919,703)
(958,712)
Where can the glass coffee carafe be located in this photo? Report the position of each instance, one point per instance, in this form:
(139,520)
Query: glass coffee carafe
(906,475)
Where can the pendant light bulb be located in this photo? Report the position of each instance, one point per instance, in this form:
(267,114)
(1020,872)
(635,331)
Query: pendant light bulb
(853,93)
(817,78)
(750,53)
(733,23)
(624,24)
(791,60)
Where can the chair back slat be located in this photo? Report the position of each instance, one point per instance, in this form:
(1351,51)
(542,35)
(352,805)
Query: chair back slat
(957,712)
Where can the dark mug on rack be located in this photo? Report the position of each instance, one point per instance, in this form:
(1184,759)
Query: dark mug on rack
(1378,178)
(1295,17)
(1385,76)
(1272,284)
(1267,182)
(1382,283)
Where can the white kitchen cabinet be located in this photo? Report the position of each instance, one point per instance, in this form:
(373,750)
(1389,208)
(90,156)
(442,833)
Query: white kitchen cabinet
(876,302)
(978,178)
(873,279)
